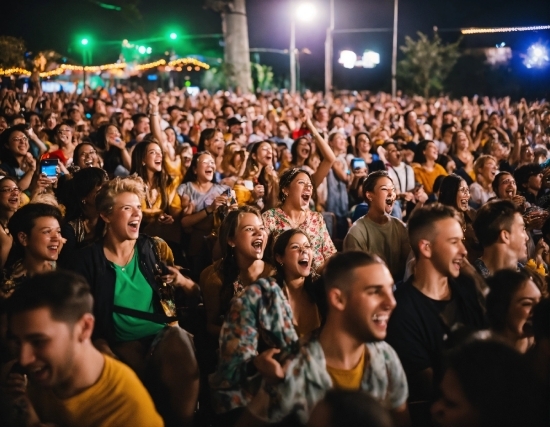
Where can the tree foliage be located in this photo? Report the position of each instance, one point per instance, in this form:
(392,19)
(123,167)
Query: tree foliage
(12,52)
(427,63)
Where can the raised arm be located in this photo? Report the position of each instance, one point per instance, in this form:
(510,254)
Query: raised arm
(323,147)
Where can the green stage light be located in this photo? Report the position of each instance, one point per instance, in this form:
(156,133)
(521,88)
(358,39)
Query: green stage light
(84,42)
(141,49)
(173,36)
(149,50)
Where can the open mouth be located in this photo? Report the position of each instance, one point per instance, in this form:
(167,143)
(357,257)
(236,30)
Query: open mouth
(14,200)
(258,244)
(306,197)
(53,248)
(304,261)
(458,263)
(134,225)
(464,203)
(381,320)
(510,192)
(38,373)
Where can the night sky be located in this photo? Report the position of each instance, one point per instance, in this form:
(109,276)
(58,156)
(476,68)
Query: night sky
(55,24)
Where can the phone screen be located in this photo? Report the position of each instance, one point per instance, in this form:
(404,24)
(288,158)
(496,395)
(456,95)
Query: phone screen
(358,163)
(49,168)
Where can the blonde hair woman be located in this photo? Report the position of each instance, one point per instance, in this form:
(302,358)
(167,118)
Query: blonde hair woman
(133,300)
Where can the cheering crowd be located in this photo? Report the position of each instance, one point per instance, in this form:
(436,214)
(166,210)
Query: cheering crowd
(273,259)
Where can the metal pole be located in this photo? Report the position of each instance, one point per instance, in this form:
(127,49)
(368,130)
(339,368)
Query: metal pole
(394,51)
(292,50)
(329,51)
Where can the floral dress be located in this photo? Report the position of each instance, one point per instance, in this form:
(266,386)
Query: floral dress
(276,221)
(260,318)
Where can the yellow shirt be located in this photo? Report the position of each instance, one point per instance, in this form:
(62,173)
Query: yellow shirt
(117,399)
(426,178)
(348,379)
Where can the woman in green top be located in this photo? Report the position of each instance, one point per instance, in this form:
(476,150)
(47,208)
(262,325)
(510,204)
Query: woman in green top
(133,305)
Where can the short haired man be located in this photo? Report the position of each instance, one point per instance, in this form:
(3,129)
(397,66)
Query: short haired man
(436,299)
(349,352)
(71,382)
(500,229)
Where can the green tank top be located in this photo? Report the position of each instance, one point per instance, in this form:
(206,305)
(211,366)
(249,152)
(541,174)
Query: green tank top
(133,291)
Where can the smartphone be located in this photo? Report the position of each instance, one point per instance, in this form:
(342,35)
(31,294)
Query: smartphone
(49,167)
(358,163)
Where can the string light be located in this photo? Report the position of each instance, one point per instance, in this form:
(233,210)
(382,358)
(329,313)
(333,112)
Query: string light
(155,64)
(189,61)
(176,64)
(503,29)
(11,71)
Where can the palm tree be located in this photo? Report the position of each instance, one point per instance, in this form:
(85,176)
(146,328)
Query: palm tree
(235,34)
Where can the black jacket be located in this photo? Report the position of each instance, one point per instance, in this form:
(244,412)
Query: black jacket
(91,263)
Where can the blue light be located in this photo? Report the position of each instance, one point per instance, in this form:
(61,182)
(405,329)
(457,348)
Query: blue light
(152,77)
(536,57)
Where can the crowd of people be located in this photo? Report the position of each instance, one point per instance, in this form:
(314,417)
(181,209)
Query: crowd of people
(273,259)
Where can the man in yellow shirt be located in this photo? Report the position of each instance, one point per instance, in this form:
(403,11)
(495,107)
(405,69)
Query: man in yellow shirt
(71,382)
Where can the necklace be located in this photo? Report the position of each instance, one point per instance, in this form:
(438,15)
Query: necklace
(5,229)
(297,223)
(123,267)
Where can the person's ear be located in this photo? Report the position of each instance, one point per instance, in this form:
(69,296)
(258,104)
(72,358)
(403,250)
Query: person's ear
(85,327)
(105,218)
(368,196)
(279,259)
(336,298)
(504,236)
(22,237)
(425,248)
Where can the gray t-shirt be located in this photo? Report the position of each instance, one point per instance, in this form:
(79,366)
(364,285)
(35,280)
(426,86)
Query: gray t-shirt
(389,241)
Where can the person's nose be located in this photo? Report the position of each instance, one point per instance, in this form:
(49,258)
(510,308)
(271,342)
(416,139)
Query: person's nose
(26,355)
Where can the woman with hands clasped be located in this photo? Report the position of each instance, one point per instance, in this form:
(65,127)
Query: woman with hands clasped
(200,198)
(17,160)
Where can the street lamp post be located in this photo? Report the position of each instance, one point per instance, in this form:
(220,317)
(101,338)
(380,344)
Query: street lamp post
(292,50)
(394,52)
(305,12)
(329,51)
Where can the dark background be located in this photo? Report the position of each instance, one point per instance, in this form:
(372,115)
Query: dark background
(60,24)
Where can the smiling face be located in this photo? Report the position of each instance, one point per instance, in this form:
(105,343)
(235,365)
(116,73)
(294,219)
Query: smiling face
(87,157)
(205,169)
(383,196)
(64,135)
(250,237)
(111,133)
(363,144)
(46,347)
(462,196)
(520,312)
(264,154)
(125,217)
(393,155)
(10,195)
(489,170)
(43,241)
(507,187)
(170,135)
(297,258)
(303,149)
(447,248)
(369,302)
(462,142)
(215,145)
(527,154)
(299,192)
(153,157)
(431,152)
(18,143)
